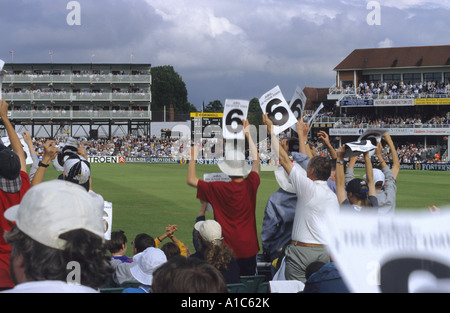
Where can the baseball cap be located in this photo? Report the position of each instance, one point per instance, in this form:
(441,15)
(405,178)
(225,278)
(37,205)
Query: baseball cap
(77,170)
(378,176)
(10,180)
(145,263)
(210,230)
(53,208)
(357,186)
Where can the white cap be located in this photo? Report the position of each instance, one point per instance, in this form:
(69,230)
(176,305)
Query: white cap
(145,263)
(53,208)
(210,230)
(234,164)
(378,175)
(77,170)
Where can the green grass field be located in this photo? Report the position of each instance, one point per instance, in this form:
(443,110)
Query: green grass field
(148,197)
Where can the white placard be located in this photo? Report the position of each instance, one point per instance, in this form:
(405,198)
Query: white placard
(279,112)
(234,112)
(297,104)
(7,143)
(107,219)
(356,148)
(212,177)
(313,117)
(379,253)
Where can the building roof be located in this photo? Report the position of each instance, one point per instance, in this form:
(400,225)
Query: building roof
(382,58)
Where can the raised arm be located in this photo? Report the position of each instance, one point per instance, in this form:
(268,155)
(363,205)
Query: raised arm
(253,149)
(326,140)
(16,145)
(285,162)
(395,161)
(50,152)
(369,175)
(340,175)
(192,179)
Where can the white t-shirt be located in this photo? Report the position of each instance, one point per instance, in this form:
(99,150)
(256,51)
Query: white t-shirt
(50,286)
(315,200)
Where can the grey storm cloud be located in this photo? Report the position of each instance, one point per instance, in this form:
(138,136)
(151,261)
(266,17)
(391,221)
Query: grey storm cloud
(222,49)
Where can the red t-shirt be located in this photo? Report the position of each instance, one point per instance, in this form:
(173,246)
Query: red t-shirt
(8,200)
(234,205)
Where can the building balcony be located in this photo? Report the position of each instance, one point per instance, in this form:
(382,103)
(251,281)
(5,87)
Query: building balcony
(47,115)
(74,78)
(75,97)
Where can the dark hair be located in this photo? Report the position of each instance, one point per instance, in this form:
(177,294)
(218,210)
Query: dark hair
(143,241)
(171,250)
(312,268)
(118,239)
(321,166)
(188,275)
(216,254)
(46,263)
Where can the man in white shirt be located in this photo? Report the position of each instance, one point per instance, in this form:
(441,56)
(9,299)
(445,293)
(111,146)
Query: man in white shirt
(315,200)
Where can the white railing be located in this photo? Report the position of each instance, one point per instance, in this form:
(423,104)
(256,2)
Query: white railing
(71,114)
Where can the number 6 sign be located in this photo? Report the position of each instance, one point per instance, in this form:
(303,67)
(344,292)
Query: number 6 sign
(279,112)
(234,112)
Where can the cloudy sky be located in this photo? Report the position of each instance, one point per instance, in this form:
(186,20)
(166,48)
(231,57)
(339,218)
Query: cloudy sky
(231,49)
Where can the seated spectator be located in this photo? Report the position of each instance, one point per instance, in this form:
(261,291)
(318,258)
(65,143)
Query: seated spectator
(215,252)
(144,264)
(117,246)
(57,225)
(188,275)
(170,230)
(171,250)
(326,279)
(122,271)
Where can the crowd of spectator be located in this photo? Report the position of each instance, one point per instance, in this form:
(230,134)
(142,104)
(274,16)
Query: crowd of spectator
(375,89)
(395,121)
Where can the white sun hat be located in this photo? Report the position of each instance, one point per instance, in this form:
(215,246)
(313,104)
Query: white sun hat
(53,208)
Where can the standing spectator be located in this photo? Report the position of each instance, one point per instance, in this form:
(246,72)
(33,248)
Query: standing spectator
(57,225)
(358,195)
(315,200)
(29,141)
(234,202)
(14,183)
(387,190)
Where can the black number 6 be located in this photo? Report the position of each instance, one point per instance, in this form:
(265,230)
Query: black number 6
(272,113)
(230,119)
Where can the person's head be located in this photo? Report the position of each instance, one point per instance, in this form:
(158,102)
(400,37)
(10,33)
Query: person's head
(234,163)
(312,268)
(141,242)
(378,178)
(118,242)
(10,180)
(210,241)
(171,249)
(188,275)
(145,263)
(58,224)
(319,168)
(77,170)
(357,190)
